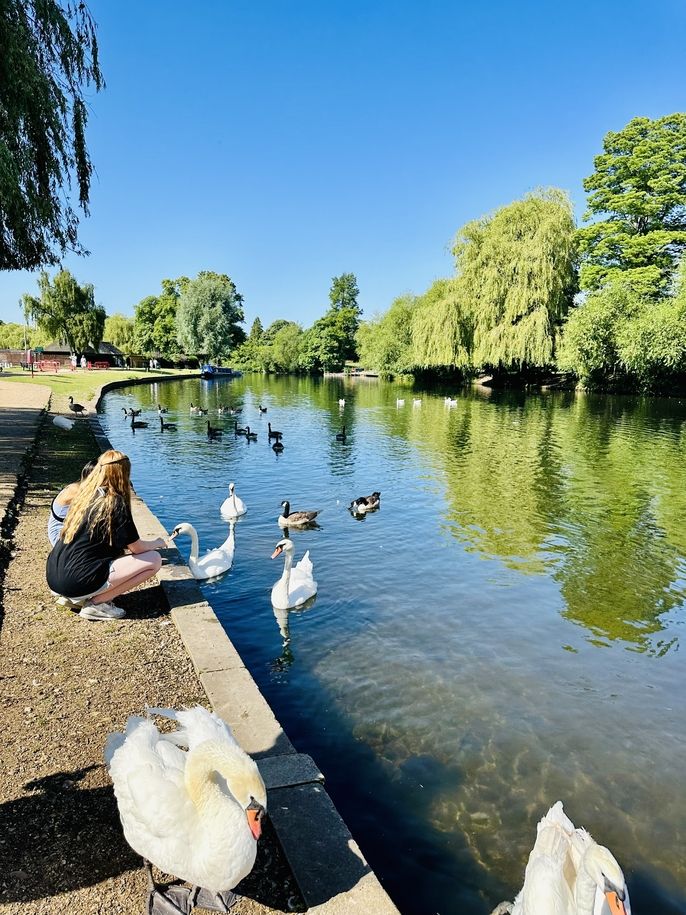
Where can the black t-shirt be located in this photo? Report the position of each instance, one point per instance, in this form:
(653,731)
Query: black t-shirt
(83,565)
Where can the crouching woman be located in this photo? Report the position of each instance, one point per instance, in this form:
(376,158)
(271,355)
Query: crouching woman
(87,567)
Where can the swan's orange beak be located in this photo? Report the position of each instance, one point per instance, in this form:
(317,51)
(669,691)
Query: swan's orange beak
(277,552)
(254,815)
(615,903)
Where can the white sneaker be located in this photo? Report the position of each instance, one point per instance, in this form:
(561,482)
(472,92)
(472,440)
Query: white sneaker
(102,612)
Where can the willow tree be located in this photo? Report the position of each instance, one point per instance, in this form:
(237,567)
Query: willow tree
(441,328)
(516,276)
(48,57)
(66,311)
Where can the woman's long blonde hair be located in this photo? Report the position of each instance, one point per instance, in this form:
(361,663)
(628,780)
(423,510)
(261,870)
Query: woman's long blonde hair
(98,496)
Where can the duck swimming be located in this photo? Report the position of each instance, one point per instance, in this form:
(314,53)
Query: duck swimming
(364,504)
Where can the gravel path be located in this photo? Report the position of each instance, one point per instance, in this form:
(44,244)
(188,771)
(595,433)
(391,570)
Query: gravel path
(64,684)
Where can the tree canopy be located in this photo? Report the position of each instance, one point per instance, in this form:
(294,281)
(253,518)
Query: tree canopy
(209,313)
(48,56)
(384,343)
(516,278)
(442,329)
(638,194)
(119,330)
(67,311)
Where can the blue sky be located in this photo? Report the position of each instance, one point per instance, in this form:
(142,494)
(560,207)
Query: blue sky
(283,143)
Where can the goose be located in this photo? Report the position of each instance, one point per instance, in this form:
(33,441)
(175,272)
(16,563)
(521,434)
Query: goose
(213,432)
(262,409)
(161,409)
(295,519)
(138,424)
(214,562)
(364,504)
(400,402)
(191,802)
(76,407)
(221,410)
(278,447)
(131,412)
(341,402)
(237,431)
(198,411)
(251,436)
(234,411)
(296,585)
(340,436)
(233,506)
(568,873)
(167,427)
(274,434)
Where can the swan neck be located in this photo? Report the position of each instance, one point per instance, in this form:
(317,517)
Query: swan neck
(584,891)
(195,550)
(288,562)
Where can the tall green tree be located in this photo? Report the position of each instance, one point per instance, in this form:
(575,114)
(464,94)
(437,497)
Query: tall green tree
(119,331)
(516,276)
(637,197)
(48,58)
(344,292)
(67,311)
(209,315)
(441,329)
(384,343)
(256,331)
(155,329)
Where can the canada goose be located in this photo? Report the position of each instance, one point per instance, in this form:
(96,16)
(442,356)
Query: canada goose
(138,424)
(251,436)
(295,519)
(161,409)
(76,407)
(167,427)
(274,434)
(198,411)
(568,873)
(237,431)
(340,436)
(262,409)
(213,432)
(277,446)
(191,802)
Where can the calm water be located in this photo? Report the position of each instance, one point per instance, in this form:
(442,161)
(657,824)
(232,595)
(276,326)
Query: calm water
(504,632)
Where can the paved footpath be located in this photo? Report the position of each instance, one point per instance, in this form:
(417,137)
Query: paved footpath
(21,406)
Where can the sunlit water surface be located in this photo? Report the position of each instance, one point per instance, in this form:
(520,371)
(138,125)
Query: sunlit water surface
(504,632)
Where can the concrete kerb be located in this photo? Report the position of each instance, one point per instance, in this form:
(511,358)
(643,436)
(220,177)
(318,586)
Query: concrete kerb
(327,864)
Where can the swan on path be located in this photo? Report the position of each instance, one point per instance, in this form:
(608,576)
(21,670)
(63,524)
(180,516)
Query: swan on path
(214,562)
(568,873)
(191,802)
(297,584)
(295,519)
(233,506)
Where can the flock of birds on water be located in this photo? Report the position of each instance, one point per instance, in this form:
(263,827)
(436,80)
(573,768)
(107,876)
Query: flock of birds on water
(191,801)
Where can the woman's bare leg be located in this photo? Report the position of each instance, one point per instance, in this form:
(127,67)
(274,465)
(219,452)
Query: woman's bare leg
(128,572)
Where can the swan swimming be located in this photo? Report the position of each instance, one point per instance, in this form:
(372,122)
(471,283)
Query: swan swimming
(214,562)
(296,585)
(568,873)
(191,802)
(233,507)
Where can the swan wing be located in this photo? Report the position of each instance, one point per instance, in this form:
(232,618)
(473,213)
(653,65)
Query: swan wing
(551,870)
(195,726)
(304,568)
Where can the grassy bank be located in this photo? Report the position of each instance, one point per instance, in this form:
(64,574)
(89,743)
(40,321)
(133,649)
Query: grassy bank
(82,385)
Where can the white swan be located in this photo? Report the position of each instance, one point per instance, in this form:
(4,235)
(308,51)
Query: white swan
(400,402)
(568,873)
(233,507)
(296,585)
(196,813)
(341,402)
(416,402)
(214,562)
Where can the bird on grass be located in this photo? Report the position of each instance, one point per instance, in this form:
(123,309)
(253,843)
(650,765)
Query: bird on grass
(191,801)
(77,408)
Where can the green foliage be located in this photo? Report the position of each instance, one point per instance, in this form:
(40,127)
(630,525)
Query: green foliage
(639,190)
(208,316)
(384,343)
(331,340)
(48,57)
(652,346)
(154,324)
(284,351)
(344,292)
(14,336)
(516,279)
(256,331)
(441,329)
(119,330)
(66,311)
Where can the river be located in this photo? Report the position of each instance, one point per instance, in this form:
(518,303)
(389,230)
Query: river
(504,632)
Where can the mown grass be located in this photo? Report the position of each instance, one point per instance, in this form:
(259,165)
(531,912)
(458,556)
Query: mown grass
(81,385)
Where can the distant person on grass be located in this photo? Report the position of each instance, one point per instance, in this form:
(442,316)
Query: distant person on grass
(62,501)
(87,566)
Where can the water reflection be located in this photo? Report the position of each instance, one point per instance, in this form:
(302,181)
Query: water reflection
(502,635)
